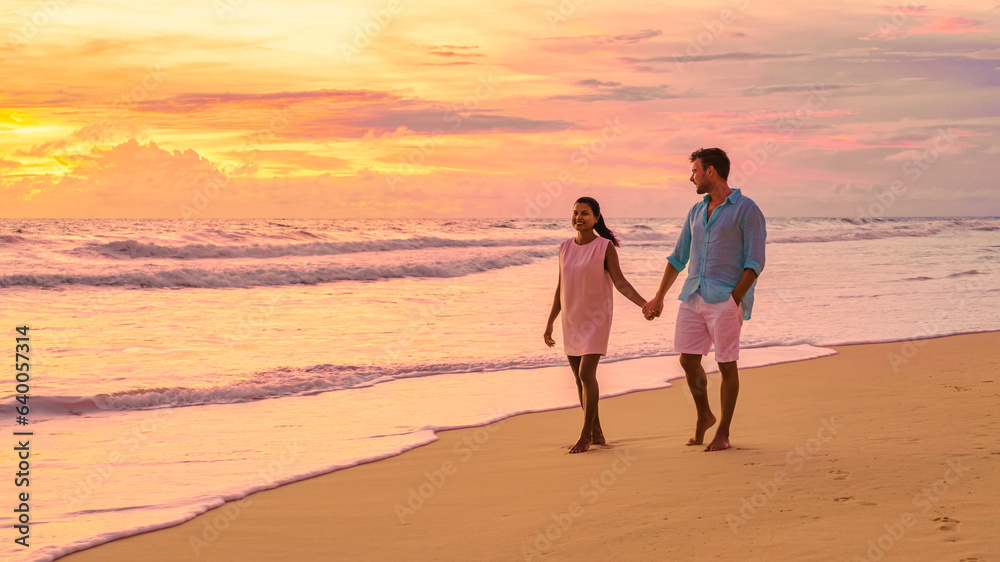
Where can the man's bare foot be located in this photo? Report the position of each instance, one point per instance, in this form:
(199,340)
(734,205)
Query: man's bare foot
(598,439)
(700,429)
(582,445)
(720,443)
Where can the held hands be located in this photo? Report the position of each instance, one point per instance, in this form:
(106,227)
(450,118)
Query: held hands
(652,308)
(548,336)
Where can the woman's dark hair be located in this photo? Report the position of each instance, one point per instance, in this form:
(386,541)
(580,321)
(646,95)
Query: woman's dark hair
(600,228)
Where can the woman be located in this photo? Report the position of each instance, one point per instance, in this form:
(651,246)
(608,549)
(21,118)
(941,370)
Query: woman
(588,265)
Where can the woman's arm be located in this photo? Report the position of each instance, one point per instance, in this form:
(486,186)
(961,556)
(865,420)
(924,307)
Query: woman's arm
(622,284)
(556,307)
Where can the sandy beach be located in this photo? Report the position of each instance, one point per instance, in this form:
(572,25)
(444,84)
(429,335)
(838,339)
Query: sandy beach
(883,451)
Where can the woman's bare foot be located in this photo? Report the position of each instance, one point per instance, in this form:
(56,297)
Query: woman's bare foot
(598,438)
(582,445)
(721,442)
(700,429)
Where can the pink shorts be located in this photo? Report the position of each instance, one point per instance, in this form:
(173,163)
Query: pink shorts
(700,324)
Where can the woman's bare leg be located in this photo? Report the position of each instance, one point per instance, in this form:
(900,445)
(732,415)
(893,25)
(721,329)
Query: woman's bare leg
(590,393)
(598,433)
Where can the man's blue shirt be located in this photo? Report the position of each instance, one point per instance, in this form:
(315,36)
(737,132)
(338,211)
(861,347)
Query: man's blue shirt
(720,248)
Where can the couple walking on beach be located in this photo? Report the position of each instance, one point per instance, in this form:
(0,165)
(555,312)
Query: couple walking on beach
(722,243)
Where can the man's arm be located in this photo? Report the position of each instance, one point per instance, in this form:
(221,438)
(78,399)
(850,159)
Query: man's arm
(754,237)
(676,262)
(654,307)
(746,280)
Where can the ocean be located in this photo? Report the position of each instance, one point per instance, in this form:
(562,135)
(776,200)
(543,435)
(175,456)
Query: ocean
(176,364)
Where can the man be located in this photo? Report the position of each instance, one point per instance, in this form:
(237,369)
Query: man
(723,237)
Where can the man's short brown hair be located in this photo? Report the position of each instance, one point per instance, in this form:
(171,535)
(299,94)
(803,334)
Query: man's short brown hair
(715,157)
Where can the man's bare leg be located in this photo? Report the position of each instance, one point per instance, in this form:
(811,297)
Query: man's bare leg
(698,384)
(730,391)
(590,393)
(598,433)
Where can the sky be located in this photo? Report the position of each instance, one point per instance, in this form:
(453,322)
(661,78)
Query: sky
(441,108)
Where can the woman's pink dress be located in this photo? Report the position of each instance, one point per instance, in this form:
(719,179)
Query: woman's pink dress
(585,296)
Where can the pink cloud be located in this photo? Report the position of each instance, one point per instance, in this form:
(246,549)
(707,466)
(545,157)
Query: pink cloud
(130,179)
(952,25)
(756,116)
(188,103)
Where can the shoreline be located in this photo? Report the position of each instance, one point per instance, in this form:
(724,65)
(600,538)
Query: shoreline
(519,468)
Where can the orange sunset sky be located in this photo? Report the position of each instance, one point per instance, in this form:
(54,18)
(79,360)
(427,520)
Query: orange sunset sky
(407,108)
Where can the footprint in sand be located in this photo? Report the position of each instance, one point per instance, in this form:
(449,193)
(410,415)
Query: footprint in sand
(839,474)
(973,559)
(758,464)
(843,499)
(947,523)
